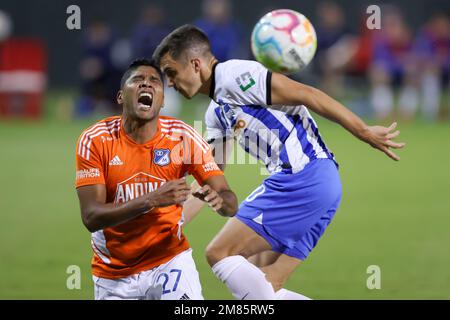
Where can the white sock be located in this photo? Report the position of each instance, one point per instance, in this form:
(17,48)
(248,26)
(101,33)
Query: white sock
(285,294)
(245,280)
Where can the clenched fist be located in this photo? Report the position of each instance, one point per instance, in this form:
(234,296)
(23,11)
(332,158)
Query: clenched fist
(210,196)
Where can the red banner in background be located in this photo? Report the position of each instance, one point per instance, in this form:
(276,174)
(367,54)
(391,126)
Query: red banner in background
(23,77)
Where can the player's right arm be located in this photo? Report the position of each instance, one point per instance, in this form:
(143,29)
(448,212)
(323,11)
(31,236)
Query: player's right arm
(285,91)
(97,214)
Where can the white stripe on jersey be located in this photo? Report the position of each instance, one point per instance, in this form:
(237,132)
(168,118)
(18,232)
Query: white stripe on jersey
(312,138)
(297,158)
(179,124)
(92,129)
(88,147)
(104,258)
(86,138)
(187,133)
(271,136)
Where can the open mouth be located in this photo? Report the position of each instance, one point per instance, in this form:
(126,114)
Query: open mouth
(145,99)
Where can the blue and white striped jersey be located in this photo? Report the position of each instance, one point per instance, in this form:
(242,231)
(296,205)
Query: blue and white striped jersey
(284,139)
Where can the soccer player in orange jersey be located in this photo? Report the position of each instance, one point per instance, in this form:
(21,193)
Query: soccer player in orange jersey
(131,185)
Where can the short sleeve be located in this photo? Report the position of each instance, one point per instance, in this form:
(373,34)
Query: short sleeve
(244,82)
(214,129)
(89,167)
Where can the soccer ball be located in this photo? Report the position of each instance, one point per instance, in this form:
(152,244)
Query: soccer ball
(284,41)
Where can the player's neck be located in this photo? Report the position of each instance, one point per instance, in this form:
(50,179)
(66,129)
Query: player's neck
(140,131)
(206,86)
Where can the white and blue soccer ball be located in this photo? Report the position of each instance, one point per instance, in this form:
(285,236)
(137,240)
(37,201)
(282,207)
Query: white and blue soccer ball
(284,41)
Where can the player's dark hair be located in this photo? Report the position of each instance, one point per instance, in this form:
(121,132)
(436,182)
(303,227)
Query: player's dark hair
(136,64)
(180,40)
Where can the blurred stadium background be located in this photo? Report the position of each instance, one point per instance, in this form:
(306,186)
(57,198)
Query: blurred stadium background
(54,82)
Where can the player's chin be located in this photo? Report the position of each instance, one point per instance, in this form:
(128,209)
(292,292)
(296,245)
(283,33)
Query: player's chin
(186,94)
(146,112)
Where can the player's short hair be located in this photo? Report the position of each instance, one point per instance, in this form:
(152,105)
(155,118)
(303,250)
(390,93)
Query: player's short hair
(180,40)
(136,64)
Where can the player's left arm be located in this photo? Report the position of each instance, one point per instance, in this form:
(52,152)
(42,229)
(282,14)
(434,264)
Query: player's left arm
(221,151)
(285,91)
(218,195)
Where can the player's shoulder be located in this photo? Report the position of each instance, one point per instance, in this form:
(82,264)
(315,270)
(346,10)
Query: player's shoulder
(167,122)
(176,128)
(105,128)
(235,76)
(239,63)
(236,67)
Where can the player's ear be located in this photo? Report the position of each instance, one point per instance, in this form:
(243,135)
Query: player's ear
(119,97)
(196,64)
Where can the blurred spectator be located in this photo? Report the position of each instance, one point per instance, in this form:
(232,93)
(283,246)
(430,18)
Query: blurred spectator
(433,48)
(149,31)
(147,34)
(336,47)
(393,66)
(5,26)
(363,51)
(224,34)
(99,72)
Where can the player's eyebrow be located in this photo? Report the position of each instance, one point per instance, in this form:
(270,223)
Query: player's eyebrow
(153,78)
(137,76)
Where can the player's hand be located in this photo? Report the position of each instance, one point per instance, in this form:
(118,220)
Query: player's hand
(210,196)
(172,192)
(381,137)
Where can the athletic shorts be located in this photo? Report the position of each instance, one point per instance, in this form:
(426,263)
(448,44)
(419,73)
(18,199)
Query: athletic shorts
(176,279)
(292,211)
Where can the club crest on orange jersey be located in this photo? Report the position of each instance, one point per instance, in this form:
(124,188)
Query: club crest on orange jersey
(161,157)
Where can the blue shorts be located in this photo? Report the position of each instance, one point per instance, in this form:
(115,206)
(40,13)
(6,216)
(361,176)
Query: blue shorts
(292,211)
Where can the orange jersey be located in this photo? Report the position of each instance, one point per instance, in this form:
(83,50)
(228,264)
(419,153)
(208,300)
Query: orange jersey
(106,155)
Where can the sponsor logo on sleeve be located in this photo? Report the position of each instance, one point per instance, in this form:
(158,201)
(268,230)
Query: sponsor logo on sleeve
(210,166)
(245,81)
(88,173)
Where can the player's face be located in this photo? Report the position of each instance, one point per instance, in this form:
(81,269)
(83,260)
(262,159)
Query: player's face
(183,76)
(142,95)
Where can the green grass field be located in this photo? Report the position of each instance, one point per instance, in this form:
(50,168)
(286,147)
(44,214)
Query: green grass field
(394,215)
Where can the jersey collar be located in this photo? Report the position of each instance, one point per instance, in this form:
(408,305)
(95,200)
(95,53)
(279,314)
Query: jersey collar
(150,142)
(212,89)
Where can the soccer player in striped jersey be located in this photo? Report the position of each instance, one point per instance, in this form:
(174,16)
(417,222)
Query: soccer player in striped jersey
(267,113)
(131,185)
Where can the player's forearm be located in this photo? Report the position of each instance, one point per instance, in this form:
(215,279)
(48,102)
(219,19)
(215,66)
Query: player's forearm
(292,93)
(100,216)
(331,109)
(191,208)
(229,204)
